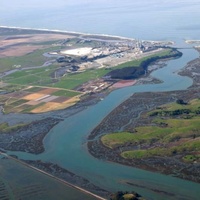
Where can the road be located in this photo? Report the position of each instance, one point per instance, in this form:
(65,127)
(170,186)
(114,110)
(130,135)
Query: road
(54,177)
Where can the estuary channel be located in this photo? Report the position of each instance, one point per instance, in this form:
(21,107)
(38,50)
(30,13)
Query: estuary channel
(66,146)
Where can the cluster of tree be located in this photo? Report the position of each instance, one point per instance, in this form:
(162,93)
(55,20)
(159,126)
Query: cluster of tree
(181,102)
(171,113)
(65,59)
(176,113)
(68,59)
(126,196)
(126,73)
(133,72)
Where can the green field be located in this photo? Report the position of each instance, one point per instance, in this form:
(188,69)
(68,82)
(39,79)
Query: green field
(179,135)
(137,62)
(5,128)
(192,147)
(35,58)
(66,93)
(41,76)
(71,81)
(34,89)
(18,102)
(12,88)
(28,108)
(176,129)
(189,110)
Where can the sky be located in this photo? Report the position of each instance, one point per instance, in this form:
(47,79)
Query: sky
(32,4)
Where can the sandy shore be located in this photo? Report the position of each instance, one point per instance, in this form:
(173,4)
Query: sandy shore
(86,35)
(68,32)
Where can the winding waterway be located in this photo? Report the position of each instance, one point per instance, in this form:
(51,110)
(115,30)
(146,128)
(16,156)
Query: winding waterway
(66,143)
(148,19)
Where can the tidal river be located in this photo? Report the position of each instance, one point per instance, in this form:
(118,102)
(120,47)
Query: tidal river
(155,20)
(66,143)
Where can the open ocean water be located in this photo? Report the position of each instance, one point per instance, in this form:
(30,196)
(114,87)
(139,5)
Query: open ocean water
(146,19)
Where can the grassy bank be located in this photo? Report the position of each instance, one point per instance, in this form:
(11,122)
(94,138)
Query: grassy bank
(5,128)
(176,133)
(137,68)
(138,62)
(32,59)
(40,76)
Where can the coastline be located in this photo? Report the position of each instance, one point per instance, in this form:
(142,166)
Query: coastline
(65,32)
(82,33)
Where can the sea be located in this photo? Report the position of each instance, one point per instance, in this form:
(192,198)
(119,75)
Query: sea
(141,19)
(65,145)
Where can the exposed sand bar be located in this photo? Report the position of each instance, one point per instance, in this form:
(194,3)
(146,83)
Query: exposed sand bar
(124,83)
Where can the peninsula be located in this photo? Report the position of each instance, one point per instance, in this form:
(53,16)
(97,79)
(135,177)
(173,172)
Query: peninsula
(43,71)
